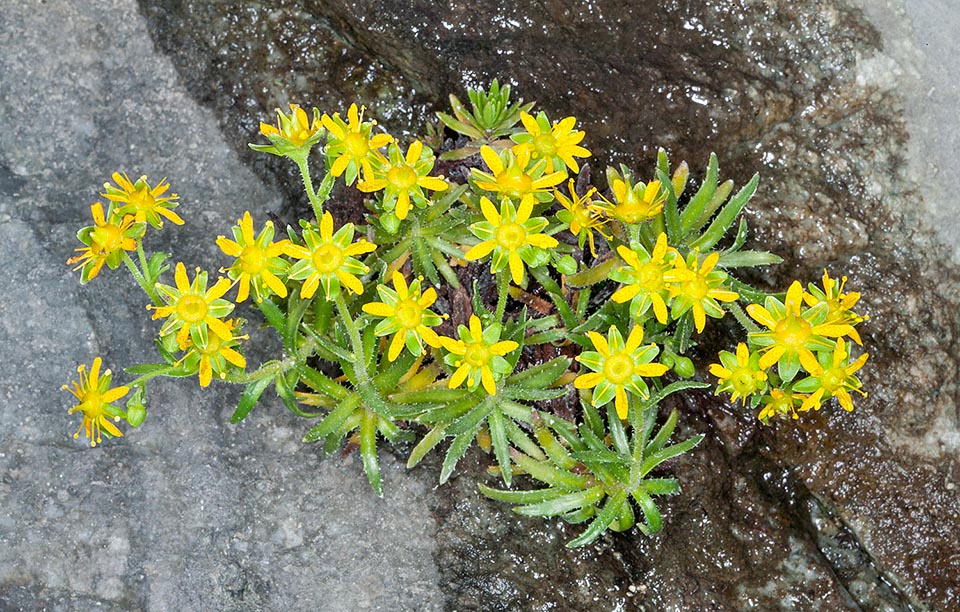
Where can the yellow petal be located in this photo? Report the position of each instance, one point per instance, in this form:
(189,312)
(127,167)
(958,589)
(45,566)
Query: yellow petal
(433,183)
(378,309)
(229,247)
(326,227)
(526,208)
(459,376)
(621,402)
(180,277)
(490,212)
(516,267)
(233,357)
(403,205)
(492,160)
(504,347)
(396,345)
(486,377)
(480,251)
(350,281)
(635,338)
(588,381)
(600,343)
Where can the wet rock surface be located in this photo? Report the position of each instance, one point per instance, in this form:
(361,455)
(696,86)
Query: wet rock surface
(835,512)
(815,515)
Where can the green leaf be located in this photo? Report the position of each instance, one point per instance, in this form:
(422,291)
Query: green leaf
(521,440)
(617,432)
(147,368)
(660,440)
(501,448)
(521,497)
(334,419)
(274,316)
(695,207)
(726,217)
(671,214)
(368,451)
(471,420)
(429,441)
(611,510)
(661,486)
(251,393)
(564,503)
(321,383)
(748,259)
(457,449)
(655,459)
(544,472)
(540,376)
(651,514)
(533,395)
(428,396)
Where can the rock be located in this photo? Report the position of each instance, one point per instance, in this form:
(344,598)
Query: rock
(187,512)
(836,512)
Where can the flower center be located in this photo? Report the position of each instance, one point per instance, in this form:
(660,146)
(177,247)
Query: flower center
(142,199)
(792,332)
(477,354)
(696,287)
(108,237)
(582,215)
(191,308)
(743,381)
(409,314)
(357,145)
(402,177)
(251,259)
(511,236)
(91,405)
(832,379)
(650,276)
(545,144)
(328,258)
(212,347)
(618,369)
(514,182)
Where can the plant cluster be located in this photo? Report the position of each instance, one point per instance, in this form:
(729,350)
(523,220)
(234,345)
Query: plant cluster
(612,287)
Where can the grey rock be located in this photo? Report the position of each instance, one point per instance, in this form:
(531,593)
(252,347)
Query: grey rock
(839,511)
(186,513)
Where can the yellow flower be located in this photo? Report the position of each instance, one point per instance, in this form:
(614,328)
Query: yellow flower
(635,203)
(214,353)
(140,200)
(105,242)
(792,335)
(350,145)
(478,356)
(295,131)
(406,316)
(327,259)
(780,402)
(402,178)
(618,368)
(839,304)
(558,144)
(512,236)
(740,374)
(580,213)
(258,261)
(192,307)
(698,288)
(96,398)
(510,175)
(643,279)
(831,376)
